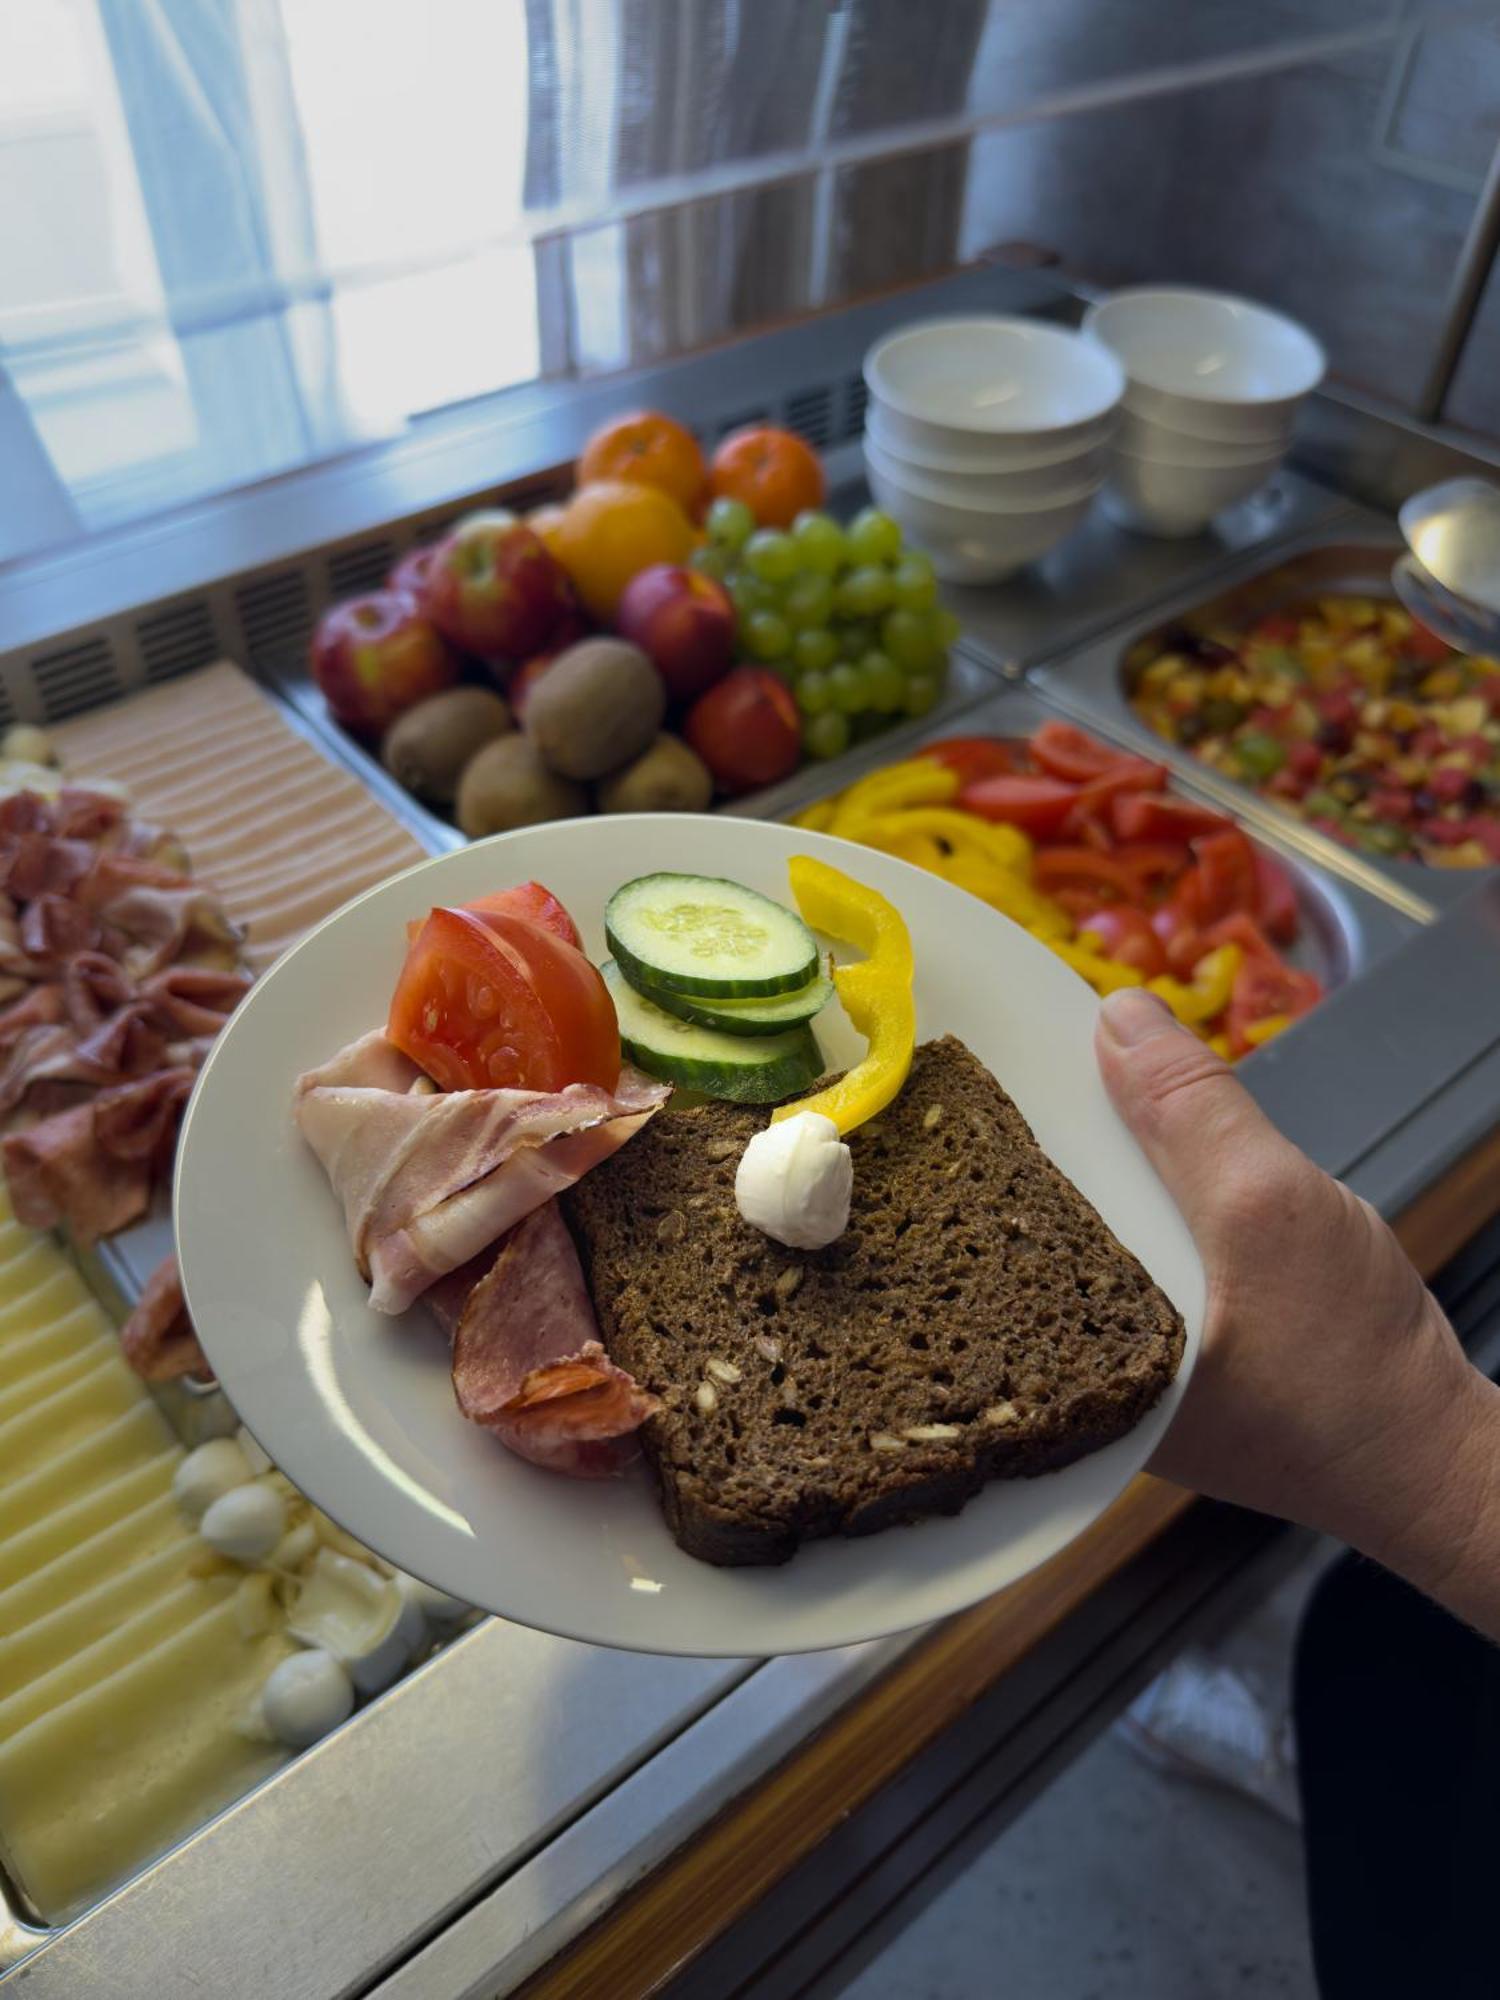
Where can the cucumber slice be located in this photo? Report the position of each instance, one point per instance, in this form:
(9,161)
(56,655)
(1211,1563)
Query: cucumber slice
(766,1016)
(763,1070)
(698,934)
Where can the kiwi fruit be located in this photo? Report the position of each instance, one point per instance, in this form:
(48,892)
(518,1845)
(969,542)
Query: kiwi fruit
(596,708)
(666,778)
(506,784)
(429,746)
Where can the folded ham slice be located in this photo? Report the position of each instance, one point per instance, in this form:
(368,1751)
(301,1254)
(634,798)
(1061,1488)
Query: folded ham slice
(528,1364)
(429,1179)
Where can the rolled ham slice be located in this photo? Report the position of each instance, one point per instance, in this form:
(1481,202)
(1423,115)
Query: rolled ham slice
(528,1364)
(429,1179)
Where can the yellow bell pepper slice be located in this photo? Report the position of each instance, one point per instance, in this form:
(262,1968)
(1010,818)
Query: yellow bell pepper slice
(876,990)
(1257,1032)
(816,818)
(1105,975)
(1220,1046)
(894,789)
(1212,983)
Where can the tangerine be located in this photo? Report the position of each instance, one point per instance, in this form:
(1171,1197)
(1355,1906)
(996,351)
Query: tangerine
(775,473)
(646,448)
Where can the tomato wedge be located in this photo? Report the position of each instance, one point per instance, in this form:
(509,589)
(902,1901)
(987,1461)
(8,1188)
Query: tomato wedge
(529,900)
(1246,933)
(496,1002)
(1065,752)
(1137,816)
(1126,935)
(1037,805)
(1275,898)
(973,757)
(1181,939)
(532,901)
(1265,987)
(1109,876)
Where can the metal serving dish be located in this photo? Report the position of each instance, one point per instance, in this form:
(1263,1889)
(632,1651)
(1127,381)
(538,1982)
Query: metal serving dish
(1344,929)
(969,677)
(1093,685)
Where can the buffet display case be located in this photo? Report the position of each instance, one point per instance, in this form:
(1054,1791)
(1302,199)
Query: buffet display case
(526,1813)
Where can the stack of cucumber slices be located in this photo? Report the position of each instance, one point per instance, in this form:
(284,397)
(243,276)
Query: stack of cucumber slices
(715,987)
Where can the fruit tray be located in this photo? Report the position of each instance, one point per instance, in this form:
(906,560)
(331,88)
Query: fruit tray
(1096,684)
(969,676)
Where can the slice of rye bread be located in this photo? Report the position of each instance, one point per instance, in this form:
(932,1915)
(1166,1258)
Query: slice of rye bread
(976,1320)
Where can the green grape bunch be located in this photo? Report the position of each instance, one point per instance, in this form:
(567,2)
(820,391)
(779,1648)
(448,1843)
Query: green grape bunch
(849,617)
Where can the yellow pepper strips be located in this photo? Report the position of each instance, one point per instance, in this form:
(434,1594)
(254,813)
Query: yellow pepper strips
(1105,975)
(1256,1032)
(876,990)
(816,818)
(1006,846)
(1007,891)
(1212,983)
(1220,1046)
(890,793)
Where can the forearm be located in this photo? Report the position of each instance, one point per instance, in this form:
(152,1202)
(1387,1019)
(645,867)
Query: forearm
(1437,1522)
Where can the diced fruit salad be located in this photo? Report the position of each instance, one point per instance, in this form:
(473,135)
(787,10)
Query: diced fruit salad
(674,627)
(1349,712)
(1083,844)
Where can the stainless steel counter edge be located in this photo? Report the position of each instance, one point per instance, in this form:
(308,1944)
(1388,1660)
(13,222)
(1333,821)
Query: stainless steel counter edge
(341,1864)
(552,1899)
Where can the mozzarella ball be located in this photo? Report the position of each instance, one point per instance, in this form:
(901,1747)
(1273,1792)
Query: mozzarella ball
(207,1473)
(305,1696)
(246,1523)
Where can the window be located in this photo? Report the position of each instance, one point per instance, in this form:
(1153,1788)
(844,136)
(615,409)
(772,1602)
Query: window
(241,234)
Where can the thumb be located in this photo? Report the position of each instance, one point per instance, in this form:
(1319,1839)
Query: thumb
(1180,1100)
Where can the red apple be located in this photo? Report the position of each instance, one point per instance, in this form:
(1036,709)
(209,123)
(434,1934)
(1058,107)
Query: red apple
(746,730)
(493,588)
(410,574)
(684,622)
(375,656)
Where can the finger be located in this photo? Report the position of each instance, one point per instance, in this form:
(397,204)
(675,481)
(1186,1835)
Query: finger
(1180,1100)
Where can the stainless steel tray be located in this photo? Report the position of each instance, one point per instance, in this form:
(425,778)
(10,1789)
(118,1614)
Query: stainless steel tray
(1346,926)
(1092,684)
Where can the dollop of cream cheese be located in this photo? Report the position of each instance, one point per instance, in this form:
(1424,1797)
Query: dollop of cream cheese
(794,1181)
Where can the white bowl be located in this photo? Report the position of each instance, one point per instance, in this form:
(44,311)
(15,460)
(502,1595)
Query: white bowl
(1207,362)
(1161,498)
(939,448)
(978,544)
(991,378)
(1144,437)
(1007,492)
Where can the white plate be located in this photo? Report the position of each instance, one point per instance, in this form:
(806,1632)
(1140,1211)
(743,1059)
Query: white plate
(358,1408)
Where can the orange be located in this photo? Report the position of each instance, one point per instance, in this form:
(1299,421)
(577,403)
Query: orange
(610,531)
(773,472)
(648,449)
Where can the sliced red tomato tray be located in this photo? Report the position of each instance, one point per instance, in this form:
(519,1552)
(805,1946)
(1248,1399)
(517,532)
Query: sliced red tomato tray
(1151,880)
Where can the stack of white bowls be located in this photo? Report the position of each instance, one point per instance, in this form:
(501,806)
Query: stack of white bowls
(987,438)
(1214,385)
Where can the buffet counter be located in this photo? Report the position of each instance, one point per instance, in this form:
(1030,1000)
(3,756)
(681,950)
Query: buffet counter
(527,1814)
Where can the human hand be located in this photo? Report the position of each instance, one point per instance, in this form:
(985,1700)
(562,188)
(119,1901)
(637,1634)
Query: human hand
(1330,1388)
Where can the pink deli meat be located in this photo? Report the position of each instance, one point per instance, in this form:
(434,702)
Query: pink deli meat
(429,1179)
(527,1360)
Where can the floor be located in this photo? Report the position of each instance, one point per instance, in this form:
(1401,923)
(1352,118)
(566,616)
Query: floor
(1123,1883)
